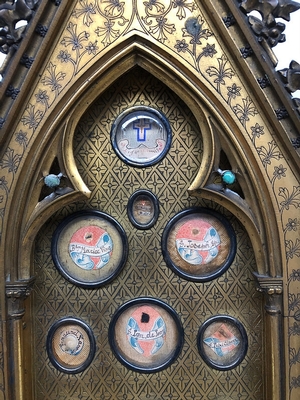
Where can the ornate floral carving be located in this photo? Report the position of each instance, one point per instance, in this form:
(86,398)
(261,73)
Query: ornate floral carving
(78,48)
(291,76)
(41,30)
(264,81)
(26,61)
(32,117)
(245,110)
(246,51)
(272,33)
(53,78)
(269,31)
(281,113)
(296,142)
(10,160)
(229,20)
(10,15)
(269,10)
(12,92)
(289,199)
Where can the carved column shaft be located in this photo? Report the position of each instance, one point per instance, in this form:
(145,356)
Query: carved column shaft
(16,293)
(272,290)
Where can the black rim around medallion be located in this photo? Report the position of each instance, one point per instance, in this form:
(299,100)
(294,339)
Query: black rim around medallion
(222,342)
(143,209)
(89,248)
(140,348)
(198,244)
(141,136)
(70,345)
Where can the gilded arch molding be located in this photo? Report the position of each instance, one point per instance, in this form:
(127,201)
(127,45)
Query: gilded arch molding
(57,136)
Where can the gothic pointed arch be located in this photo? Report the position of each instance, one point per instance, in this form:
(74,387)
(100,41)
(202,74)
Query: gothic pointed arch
(209,111)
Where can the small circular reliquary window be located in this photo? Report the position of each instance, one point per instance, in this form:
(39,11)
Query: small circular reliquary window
(141,136)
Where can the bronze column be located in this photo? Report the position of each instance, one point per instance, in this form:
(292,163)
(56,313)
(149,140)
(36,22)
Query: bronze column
(16,293)
(272,290)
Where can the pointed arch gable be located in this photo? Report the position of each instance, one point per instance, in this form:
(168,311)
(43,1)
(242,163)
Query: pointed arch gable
(56,134)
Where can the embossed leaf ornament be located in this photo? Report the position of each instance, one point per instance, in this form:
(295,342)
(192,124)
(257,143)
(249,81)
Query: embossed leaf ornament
(271,32)
(291,76)
(262,6)
(267,28)
(10,14)
(270,9)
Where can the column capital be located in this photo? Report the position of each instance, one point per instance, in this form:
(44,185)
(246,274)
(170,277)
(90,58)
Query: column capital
(16,292)
(269,285)
(272,288)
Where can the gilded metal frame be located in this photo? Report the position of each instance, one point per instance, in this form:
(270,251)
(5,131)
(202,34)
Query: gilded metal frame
(126,115)
(63,140)
(221,129)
